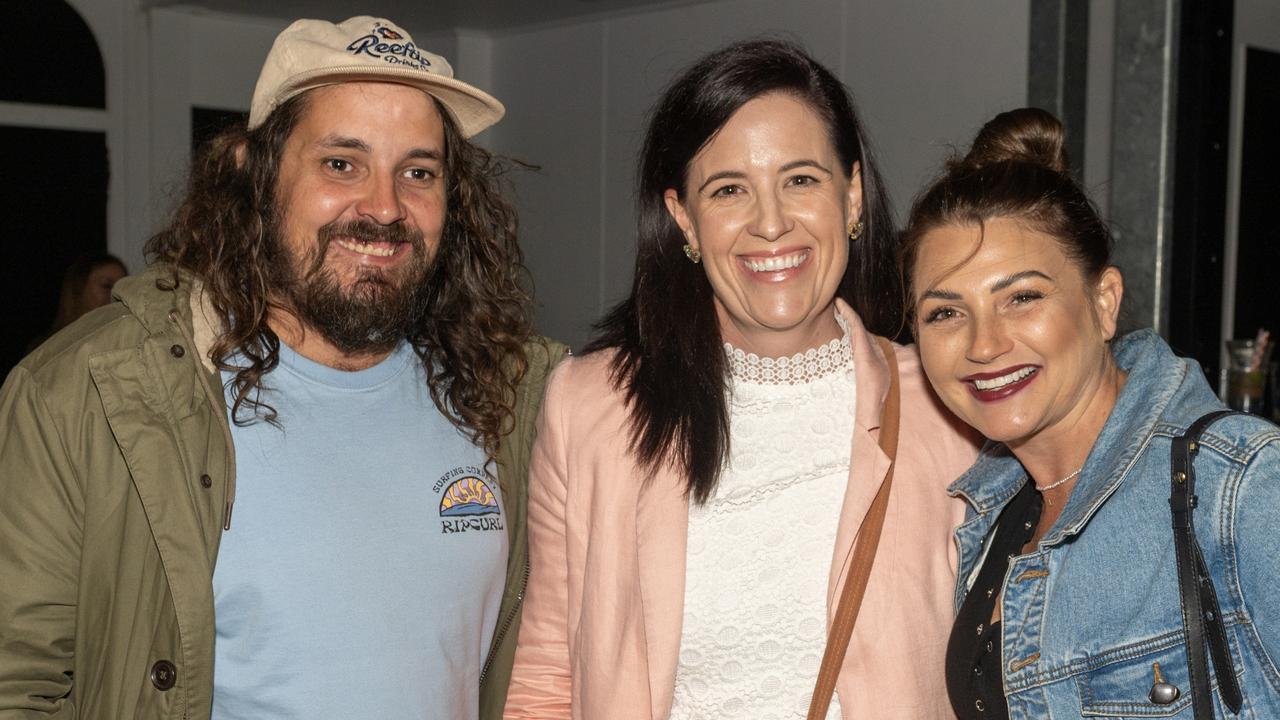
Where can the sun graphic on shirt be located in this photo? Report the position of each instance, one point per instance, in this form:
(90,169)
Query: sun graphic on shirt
(468,496)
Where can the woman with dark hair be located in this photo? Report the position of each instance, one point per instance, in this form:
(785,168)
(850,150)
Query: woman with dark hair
(703,469)
(1109,503)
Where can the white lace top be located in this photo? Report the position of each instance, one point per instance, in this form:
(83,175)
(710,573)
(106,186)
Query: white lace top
(760,551)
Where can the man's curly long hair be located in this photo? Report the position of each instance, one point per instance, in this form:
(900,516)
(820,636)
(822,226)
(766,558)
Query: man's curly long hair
(471,337)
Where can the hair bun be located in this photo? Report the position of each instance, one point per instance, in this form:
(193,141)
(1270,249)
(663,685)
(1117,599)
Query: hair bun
(1029,135)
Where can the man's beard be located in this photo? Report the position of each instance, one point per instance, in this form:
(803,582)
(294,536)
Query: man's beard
(369,314)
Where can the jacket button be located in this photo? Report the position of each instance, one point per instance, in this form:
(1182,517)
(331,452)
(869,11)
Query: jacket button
(164,675)
(206,482)
(177,351)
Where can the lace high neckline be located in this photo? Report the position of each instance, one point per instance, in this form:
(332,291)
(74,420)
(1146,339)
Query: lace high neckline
(803,367)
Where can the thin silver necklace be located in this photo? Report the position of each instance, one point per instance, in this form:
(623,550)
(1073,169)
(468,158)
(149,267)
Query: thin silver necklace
(1053,485)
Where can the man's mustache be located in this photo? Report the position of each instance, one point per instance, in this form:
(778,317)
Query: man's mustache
(366,231)
(363,231)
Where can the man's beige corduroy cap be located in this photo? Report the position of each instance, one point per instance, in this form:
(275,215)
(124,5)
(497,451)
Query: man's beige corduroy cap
(312,53)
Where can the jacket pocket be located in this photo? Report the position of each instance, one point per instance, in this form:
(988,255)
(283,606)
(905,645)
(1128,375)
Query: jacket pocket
(1120,685)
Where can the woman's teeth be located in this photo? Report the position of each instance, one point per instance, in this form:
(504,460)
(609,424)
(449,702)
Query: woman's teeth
(996,383)
(774,264)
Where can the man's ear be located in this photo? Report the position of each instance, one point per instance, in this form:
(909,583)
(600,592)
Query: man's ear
(241,152)
(678,213)
(1108,294)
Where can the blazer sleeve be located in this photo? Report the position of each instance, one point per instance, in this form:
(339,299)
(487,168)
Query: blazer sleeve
(541,685)
(40,519)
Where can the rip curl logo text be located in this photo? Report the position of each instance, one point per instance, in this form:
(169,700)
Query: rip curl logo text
(395,53)
(468,504)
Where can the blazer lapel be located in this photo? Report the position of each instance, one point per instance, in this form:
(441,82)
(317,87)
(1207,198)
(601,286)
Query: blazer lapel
(868,463)
(662,519)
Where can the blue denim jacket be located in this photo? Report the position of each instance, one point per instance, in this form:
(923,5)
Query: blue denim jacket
(1095,606)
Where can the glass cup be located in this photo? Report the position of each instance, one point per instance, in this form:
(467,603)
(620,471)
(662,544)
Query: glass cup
(1246,376)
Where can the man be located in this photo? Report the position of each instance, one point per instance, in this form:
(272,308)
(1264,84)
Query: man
(334,342)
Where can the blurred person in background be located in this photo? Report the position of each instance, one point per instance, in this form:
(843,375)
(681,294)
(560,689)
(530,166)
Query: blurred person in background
(86,285)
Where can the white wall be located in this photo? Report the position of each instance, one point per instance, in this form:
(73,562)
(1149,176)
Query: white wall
(925,76)
(115,28)
(205,60)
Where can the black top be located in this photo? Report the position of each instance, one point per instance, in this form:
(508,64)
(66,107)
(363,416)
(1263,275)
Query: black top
(973,652)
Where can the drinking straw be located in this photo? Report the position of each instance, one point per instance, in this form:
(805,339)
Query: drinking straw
(1259,347)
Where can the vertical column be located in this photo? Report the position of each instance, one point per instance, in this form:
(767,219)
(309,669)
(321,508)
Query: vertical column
(1058,68)
(1143,132)
(1200,181)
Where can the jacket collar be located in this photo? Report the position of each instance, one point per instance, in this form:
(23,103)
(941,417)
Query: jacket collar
(163,294)
(1155,377)
(870,369)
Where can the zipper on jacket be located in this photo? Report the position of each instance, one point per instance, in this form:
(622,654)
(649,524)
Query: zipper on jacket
(506,622)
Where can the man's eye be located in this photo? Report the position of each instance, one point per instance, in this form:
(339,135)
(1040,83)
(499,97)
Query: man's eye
(420,174)
(338,164)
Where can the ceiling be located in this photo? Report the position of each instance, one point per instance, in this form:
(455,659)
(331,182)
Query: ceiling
(429,15)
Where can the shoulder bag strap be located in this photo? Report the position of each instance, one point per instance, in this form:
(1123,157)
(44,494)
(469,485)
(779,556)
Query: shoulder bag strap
(864,550)
(1201,617)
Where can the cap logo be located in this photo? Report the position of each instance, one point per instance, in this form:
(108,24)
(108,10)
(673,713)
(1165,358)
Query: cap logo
(393,53)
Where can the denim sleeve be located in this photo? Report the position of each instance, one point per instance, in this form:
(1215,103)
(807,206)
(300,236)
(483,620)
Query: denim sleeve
(1258,550)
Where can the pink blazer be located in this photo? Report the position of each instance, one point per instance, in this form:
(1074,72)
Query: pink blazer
(600,634)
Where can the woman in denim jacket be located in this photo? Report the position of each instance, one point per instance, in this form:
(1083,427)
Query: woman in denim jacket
(1068,600)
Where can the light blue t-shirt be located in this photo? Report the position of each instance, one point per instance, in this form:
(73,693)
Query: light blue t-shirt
(363,571)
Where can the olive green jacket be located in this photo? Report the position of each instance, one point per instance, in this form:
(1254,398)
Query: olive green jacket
(116,470)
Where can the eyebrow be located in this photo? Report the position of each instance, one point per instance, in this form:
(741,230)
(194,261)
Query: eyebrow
(940,295)
(424,154)
(345,142)
(1006,282)
(1001,284)
(352,143)
(738,175)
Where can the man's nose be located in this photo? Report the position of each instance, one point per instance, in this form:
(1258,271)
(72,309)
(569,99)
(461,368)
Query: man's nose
(381,202)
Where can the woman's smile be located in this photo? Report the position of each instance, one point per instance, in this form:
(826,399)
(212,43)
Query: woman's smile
(774,267)
(993,386)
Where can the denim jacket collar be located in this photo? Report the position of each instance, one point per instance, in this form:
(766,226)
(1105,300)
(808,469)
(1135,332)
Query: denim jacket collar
(1155,377)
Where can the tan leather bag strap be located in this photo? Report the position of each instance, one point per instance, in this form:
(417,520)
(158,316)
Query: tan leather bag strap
(864,550)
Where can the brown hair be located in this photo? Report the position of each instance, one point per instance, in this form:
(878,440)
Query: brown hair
(71,299)
(1016,168)
(471,337)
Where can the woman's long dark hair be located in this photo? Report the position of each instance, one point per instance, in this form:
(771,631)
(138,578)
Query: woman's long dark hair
(669,358)
(471,336)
